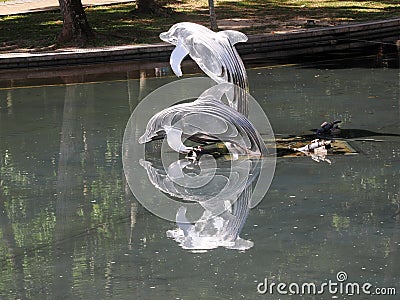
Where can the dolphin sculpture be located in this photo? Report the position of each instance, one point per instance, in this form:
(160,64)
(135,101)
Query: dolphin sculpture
(215,54)
(225,197)
(207,119)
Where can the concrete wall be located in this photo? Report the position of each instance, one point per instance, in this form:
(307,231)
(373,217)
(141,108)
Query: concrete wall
(258,46)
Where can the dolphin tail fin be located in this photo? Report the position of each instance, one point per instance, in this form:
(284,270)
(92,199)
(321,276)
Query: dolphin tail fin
(177,56)
(234,36)
(181,220)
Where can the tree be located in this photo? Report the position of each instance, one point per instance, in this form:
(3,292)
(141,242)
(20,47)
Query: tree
(76,27)
(213,17)
(147,6)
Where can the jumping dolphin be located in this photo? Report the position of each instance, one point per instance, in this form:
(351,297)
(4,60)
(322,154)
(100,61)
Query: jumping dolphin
(207,119)
(213,52)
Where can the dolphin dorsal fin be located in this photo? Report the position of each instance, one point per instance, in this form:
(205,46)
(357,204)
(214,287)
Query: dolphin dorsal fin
(177,56)
(234,36)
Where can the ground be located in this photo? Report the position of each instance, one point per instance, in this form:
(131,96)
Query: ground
(120,24)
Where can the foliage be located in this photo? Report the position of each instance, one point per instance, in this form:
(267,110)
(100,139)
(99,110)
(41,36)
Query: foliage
(119,24)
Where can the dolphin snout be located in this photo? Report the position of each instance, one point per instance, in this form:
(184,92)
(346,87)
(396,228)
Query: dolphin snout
(164,36)
(169,38)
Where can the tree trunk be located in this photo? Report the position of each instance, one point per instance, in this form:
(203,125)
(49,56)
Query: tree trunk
(69,189)
(76,28)
(146,6)
(213,17)
(149,7)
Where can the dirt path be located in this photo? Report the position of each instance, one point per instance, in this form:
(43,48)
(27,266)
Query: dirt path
(14,7)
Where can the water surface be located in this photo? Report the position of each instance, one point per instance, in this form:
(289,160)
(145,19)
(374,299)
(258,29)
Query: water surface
(70,228)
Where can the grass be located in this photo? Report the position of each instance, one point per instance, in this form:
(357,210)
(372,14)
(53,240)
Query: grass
(120,24)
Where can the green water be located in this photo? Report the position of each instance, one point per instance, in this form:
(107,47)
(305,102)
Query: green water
(71,229)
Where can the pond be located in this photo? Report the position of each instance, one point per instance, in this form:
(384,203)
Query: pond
(70,227)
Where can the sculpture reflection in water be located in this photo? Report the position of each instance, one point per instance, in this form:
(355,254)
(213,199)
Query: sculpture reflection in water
(220,152)
(226,199)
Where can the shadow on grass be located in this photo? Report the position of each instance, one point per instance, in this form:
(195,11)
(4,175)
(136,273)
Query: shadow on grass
(120,24)
(30,30)
(114,25)
(286,10)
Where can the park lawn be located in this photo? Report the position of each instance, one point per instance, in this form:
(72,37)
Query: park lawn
(121,25)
